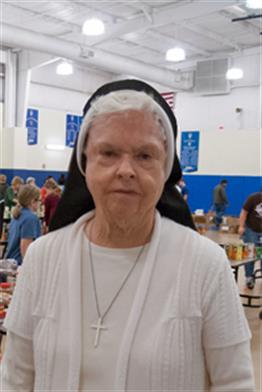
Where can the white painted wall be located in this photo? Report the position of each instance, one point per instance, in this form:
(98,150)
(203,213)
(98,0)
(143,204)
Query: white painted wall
(51,131)
(52,91)
(13,147)
(230,152)
(56,98)
(17,154)
(211,112)
(49,90)
(83,79)
(234,149)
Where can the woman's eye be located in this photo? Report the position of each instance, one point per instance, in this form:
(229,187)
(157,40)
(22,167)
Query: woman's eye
(108,153)
(144,156)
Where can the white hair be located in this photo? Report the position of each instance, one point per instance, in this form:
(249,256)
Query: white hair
(123,100)
(29,180)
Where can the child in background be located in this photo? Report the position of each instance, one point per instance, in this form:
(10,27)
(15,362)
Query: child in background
(25,226)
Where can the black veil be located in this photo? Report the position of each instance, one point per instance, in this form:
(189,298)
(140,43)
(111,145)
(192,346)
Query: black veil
(76,199)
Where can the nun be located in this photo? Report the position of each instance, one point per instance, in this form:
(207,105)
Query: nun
(123,294)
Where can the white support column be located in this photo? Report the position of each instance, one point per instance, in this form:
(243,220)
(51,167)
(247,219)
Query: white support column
(2,56)
(23,85)
(10,89)
(27,61)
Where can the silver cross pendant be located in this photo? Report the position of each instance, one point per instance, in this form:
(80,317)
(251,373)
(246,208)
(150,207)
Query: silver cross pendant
(99,327)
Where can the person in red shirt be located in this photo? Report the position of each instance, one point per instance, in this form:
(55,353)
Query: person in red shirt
(53,194)
(43,191)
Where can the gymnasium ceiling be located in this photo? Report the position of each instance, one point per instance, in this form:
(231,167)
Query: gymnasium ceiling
(140,31)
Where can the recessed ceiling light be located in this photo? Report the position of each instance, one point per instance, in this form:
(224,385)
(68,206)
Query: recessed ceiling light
(175,54)
(255,4)
(93,27)
(234,74)
(64,68)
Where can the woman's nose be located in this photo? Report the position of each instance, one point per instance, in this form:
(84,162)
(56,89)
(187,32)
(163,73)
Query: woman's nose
(125,168)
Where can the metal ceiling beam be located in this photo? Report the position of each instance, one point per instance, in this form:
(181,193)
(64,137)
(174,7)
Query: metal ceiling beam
(13,36)
(248,17)
(210,34)
(146,9)
(174,41)
(32,15)
(246,24)
(171,14)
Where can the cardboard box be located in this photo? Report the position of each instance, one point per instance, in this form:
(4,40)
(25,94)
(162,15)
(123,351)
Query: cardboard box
(230,224)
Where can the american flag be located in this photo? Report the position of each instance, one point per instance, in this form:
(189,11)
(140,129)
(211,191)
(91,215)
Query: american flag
(169,97)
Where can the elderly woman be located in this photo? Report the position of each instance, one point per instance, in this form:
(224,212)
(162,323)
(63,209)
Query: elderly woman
(123,295)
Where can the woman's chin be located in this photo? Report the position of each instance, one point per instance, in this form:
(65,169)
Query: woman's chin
(125,212)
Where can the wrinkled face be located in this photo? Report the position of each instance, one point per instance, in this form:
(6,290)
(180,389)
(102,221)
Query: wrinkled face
(125,169)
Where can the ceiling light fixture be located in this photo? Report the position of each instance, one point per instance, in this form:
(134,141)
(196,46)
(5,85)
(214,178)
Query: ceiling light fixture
(234,74)
(175,54)
(55,147)
(64,68)
(255,4)
(93,27)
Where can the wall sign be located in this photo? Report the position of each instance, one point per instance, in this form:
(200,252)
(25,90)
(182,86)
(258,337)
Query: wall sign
(32,126)
(73,124)
(189,151)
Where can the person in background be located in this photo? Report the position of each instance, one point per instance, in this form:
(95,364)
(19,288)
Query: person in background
(30,181)
(182,188)
(51,201)
(43,191)
(250,229)
(61,181)
(12,191)
(123,294)
(3,189)
(25,226)
(220,202)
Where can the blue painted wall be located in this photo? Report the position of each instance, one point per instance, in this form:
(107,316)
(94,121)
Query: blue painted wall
(238,188)
(200,187)
(39,175)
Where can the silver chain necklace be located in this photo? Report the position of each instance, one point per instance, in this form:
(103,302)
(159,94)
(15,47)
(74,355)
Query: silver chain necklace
(99,326)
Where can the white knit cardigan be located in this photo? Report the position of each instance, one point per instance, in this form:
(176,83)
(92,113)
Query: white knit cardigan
(186,303)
